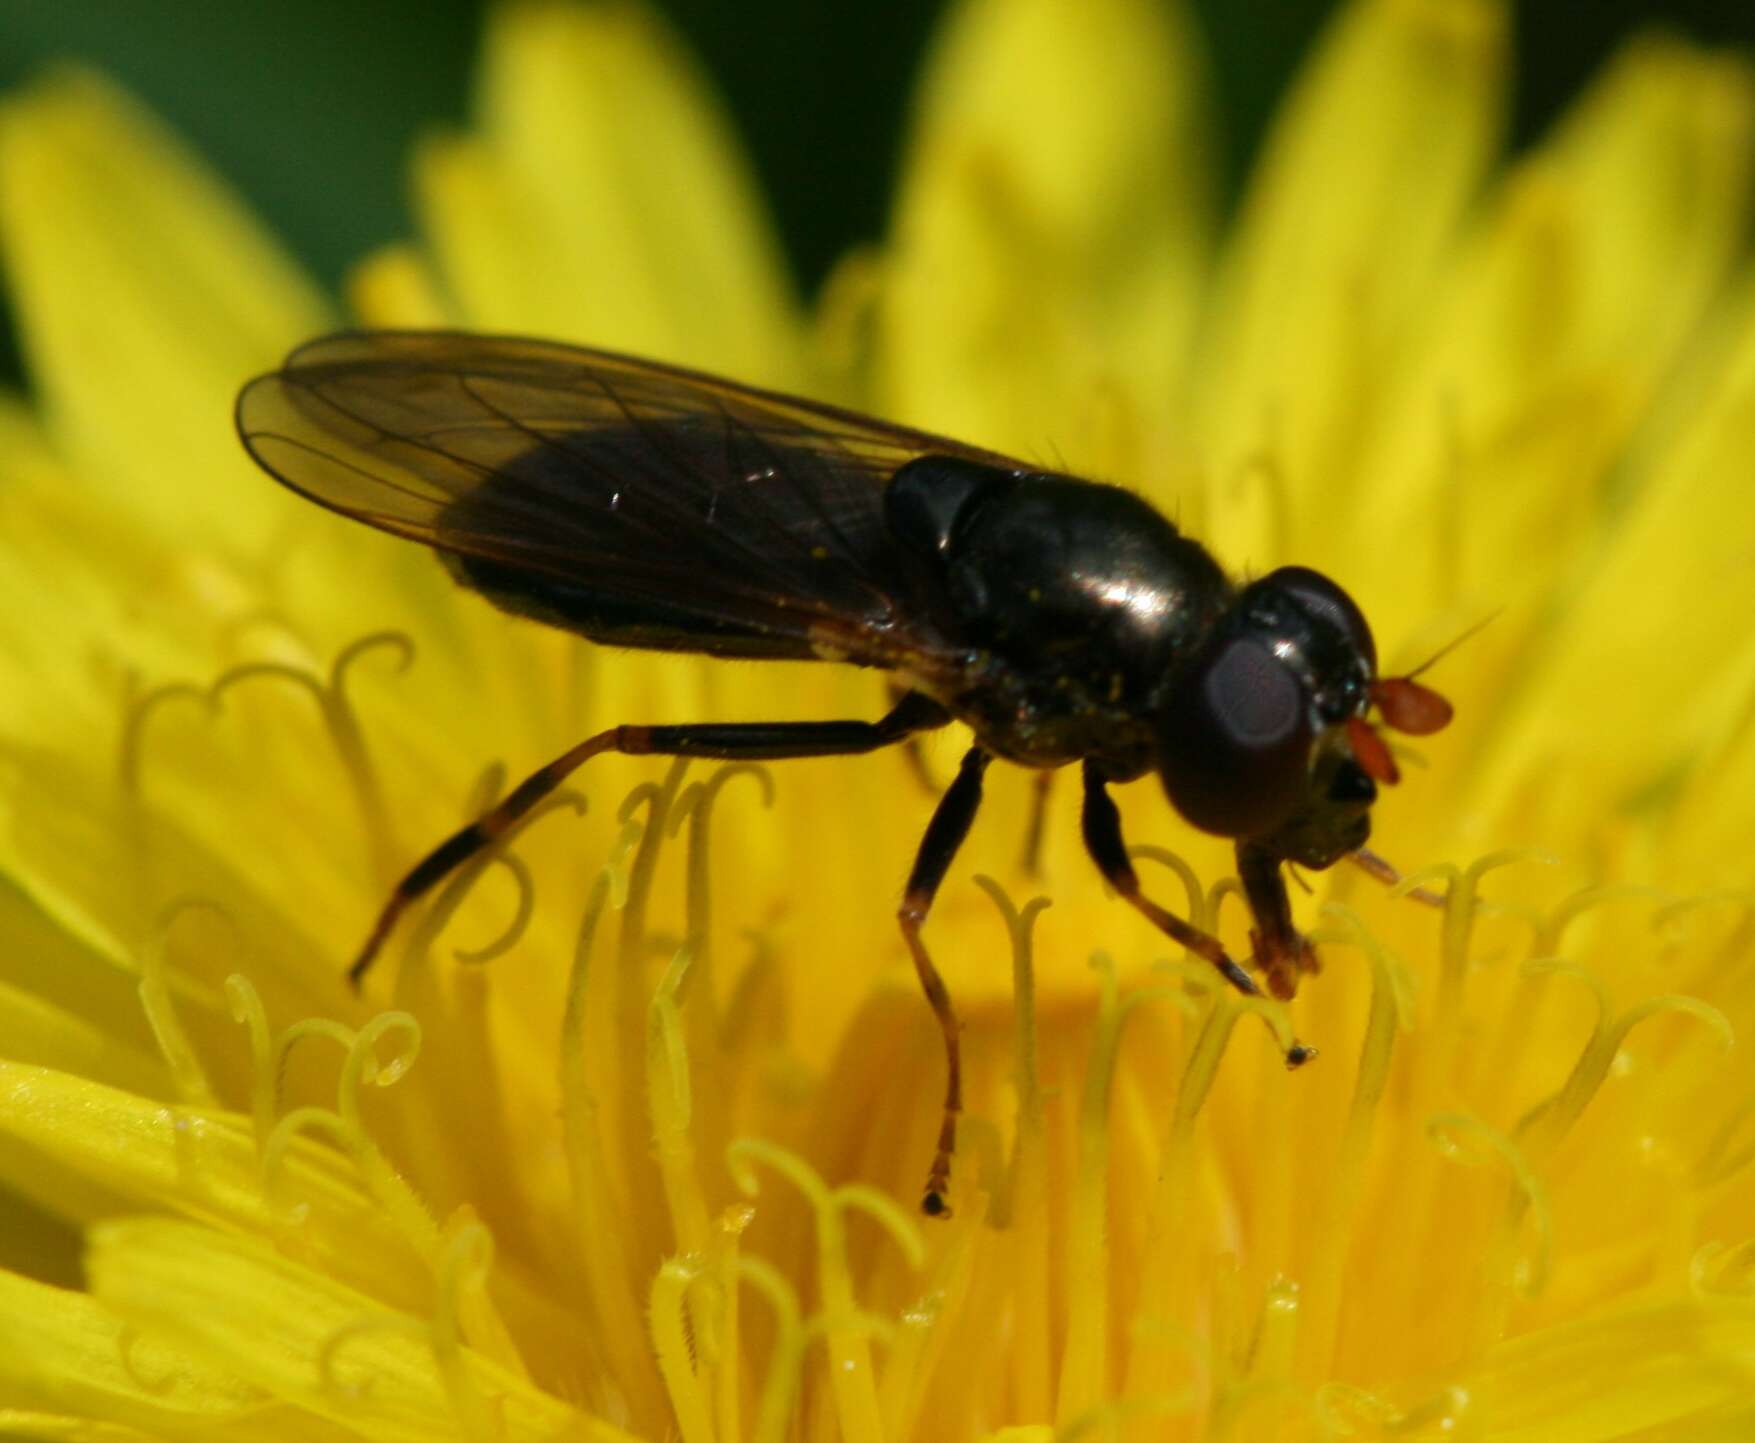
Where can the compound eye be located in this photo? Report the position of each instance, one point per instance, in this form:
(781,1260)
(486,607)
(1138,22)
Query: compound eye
(1234,741)
(1320,597)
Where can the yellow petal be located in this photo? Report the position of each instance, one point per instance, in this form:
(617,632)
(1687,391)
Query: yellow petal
(34,1030)
(1660,147)
(1668,602)
(1372,163)
(1054,204)
(488,241)
(310,1341)
(395,287)
(1566,316)
(1673,1372)
(41,1242)
(145,1152)
(63,1428)
(126,608)
(606,201)
(66,957)
(61,1351)
(145,293)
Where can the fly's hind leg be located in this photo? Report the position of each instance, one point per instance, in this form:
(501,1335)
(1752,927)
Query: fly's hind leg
(746,741)
(1102,824)
(944,834)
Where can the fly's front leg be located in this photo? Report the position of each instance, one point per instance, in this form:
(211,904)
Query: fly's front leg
(944,834)
(1102,826)
(1281,951)
(730,741)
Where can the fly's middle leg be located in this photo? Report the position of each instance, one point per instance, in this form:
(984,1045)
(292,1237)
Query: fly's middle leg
(944,835)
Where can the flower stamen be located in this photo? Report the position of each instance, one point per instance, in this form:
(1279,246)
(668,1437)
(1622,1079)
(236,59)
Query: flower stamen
(630,998)
(669,1310)
(1722,1272)
(1022,1191)
(850,1364)
(350,743)
(1391,1010)
(786,1366)
(342,724)
(701,1019)
(463,1267)
(390,1189)
(137,712)
(1545,1125)
(458,887)
(1162,1289)
(600,1201)
(669,1097)
(1474,1143)
(1085,1358)
(184,1063)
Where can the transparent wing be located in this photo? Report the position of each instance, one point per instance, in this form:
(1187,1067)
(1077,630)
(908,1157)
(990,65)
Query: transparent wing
(637,502)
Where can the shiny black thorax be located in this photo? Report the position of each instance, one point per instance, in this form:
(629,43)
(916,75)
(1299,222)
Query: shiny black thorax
(1078,604)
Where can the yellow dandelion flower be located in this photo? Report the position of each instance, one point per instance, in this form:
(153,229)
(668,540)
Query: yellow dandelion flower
(623,1143)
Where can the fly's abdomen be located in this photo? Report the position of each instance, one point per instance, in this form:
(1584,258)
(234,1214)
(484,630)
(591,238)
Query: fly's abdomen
(612,617)
(702,539)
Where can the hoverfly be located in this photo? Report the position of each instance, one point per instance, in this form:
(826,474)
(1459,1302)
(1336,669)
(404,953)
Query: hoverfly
(1061,620)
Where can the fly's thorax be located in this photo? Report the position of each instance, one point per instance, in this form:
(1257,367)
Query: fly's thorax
(1078,597)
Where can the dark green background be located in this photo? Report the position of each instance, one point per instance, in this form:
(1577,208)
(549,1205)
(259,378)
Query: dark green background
(309,106)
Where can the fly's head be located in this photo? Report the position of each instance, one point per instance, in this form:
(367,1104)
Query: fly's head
(1264,736)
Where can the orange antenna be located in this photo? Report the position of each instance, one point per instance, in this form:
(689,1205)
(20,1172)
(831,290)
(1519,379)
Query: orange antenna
(1371,752)
(1409,707)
